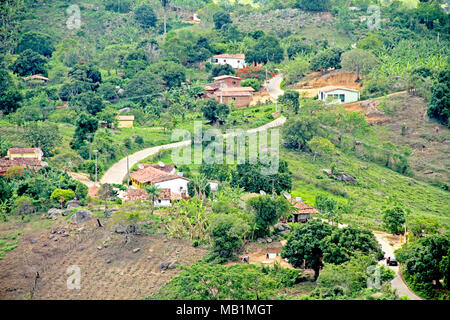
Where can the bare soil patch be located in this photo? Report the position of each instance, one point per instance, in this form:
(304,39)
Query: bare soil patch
(110,269)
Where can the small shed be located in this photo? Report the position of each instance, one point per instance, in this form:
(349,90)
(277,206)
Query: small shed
(125,121)
(337,95)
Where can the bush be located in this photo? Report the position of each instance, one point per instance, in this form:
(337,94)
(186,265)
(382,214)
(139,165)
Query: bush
(62,195)
(23,206)
(254,83)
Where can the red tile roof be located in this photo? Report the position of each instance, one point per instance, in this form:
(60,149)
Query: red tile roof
(231,56)
(167,168)
(24,150)
(302,208)
(141,194)
(152,175)
(333,88)
(21,162)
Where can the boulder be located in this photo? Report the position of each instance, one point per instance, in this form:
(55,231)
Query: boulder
(261,240)
(33,240)
(164,265)
(173,264)
(136,250)
(54,213)
(72,204)
(81,216)
(269,240)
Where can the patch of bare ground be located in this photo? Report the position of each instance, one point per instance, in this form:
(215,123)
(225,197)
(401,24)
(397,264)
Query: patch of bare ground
(429,141)
(110,267)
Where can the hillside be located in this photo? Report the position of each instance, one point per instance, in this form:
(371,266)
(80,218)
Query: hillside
(358,91)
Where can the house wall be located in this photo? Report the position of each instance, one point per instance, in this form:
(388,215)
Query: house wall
(33,155)
(229,83)
(349,96)
(239,102)
(125,124)
(162,203)
(235,63)
(175,185)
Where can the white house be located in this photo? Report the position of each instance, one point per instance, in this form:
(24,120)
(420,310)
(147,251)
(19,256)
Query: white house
(164,180)
(337,95)
(237,61)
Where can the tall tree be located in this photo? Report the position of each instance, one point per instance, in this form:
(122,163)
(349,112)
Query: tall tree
(10,96)
(359,61)
(153,192)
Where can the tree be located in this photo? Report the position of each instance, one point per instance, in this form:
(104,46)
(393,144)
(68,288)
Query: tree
(36,41)
(298,47)
(227,234)
(305,245)
(106,192)
(345,243)
(143,85)
(43,135)
(10,96)
(199,187)
(5,190)
(439,106)
(145,16)
(321,146)
(394,218)
(329,207)
(153,192)
(30,63)
(86,124)
(267,48)
(215,111)
(359,61)
(316,242)
(222,70)
(291,99)
(204,281)
(87,101)
(221,18)
(426,260)
(298,131)
(23,206)
(173,73)
(254,83)
(62,195)
(314,5)
(267,211)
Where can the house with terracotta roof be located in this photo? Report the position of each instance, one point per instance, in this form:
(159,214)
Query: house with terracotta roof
(302,212)
(25,153)
(237,61)
(337,95)
(25,163)
(160,178)
(227,89)
(165,199)
(125,121)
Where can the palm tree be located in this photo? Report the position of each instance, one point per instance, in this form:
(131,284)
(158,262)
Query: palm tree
(200,184)
(153,192)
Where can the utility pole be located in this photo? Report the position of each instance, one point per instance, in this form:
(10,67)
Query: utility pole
(89,136)
(96,151)
(128,172)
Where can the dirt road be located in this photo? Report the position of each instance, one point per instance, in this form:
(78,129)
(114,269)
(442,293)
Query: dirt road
(273,86)
(398,282)
(117,172)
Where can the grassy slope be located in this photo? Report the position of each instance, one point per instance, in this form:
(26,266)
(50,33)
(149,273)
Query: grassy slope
(370,194)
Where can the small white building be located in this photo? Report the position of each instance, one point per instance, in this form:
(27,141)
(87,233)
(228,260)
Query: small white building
(237,61)
(337,95)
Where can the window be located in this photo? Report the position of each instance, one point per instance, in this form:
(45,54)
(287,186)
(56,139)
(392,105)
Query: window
(217,60)
(342,97)
(321,96)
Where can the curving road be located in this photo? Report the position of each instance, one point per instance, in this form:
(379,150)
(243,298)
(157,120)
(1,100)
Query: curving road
(118,171)
(273,86)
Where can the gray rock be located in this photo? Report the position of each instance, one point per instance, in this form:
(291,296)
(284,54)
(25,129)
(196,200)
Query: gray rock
(33,240)
(269,240)
(54,213)
(261,240)
(136,250)
(173,264)
(51,236)
(164,265)
(72,204)
(108,261)
(81,216)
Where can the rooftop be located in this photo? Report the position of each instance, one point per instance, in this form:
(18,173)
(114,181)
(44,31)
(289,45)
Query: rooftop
(226,77)
(125,118)
(231,56)
(302,208)
(24,150)
(153,175)
(22,162)
(333,88)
